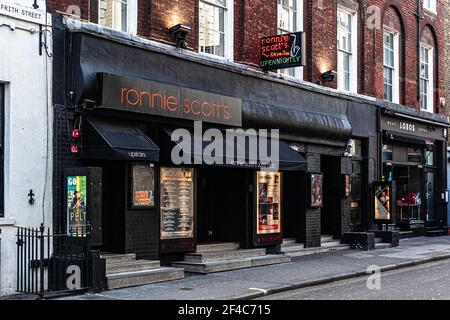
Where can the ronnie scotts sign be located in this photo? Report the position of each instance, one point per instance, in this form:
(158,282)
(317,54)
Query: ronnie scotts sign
(28,10)
(283,51)
(150,97)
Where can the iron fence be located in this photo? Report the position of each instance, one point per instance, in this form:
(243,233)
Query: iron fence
(53,262)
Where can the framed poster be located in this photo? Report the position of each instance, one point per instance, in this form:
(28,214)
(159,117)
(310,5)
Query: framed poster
(268,200)
(76,205)
(315,190)
(143,186)
(383,192)
(177,203)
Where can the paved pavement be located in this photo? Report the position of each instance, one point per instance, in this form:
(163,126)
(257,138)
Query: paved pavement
(429,281)
(302,272)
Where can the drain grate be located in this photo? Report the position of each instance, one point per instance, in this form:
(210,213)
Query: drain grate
(186,289)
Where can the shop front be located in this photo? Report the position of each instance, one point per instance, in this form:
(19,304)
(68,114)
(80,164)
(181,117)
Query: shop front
(160,196)
(413,155)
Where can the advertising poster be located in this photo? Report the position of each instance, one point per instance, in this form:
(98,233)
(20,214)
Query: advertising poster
(143,186)
(383,201)
(268,198)
(316,180)
(177,203)
(76,204)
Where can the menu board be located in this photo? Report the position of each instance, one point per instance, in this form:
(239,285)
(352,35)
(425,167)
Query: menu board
(143,185)
(177,203)
(268,203)
(76,205)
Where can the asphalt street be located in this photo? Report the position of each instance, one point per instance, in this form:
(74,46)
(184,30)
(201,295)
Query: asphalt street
(425,282)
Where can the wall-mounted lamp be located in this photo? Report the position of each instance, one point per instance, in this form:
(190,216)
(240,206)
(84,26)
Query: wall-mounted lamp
(328,76)
(179,32)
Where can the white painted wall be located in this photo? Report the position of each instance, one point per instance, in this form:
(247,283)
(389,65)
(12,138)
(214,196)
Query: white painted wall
(28,132)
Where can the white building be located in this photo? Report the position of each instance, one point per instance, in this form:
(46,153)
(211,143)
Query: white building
(26,122)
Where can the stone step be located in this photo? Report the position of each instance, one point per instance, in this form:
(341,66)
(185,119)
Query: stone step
(136,278)
(223,255)
(436,233)
(295,246)
(289,241)
(129,266)
(227,265)
(316,250)
(378,240)
(118,258)
(329,244)
(226,246)
(382,246)
(326,238)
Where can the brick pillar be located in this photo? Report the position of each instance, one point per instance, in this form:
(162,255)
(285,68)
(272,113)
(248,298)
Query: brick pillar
(312,221)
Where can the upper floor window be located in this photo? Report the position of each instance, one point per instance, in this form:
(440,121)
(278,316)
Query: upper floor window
(118,14)
(289,15)
(430,5)
(347,55)
(215,27)
(391,68)
(426,78)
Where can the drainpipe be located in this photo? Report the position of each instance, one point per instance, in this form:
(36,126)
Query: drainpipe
(418,16)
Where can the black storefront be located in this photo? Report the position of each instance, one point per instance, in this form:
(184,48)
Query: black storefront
(413,155)
(156,208)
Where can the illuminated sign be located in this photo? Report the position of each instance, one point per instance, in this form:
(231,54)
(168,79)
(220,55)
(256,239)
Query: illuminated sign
(149,97)
(283,51)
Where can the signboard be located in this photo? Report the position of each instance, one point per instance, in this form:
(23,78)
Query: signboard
(177,203)
(268,217)
(383,201)
(347,185)
(28,10)
(143,185)
(413,128)
(315,190)
(76,204)
(149,97)
(283,51)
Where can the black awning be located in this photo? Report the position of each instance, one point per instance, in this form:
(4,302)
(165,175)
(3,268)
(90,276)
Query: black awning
(394,136)
(116,140)
(288,158)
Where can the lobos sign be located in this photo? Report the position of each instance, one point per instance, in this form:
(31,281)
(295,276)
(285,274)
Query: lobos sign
(143,96)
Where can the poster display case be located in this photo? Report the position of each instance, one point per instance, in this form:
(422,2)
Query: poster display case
(315,190)
(177,203)
(76,204)
(268,203)
(143,186)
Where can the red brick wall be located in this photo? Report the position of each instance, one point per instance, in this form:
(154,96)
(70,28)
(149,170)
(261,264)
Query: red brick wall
(256,18)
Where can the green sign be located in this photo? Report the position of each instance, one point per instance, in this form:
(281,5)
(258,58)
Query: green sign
(76,205)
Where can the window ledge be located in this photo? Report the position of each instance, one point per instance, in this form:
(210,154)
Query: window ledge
(4,222)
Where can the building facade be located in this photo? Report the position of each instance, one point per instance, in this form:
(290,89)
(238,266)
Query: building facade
(26,128)
(366,106)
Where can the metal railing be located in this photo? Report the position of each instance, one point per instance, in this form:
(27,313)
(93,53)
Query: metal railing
(52,262)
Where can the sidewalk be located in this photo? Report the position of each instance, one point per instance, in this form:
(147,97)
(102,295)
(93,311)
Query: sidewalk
(301,272)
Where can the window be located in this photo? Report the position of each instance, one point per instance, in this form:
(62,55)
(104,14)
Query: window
(346,44)
(216,28)
(289,15)
(356,147)
(391,75)
(426,79)
(430,5)
(118,14)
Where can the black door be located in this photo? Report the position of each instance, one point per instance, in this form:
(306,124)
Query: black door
(331,210)
(222,214)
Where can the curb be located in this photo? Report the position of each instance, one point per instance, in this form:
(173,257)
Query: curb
(341,277)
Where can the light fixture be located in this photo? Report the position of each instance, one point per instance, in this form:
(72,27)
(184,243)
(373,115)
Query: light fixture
(328,76)
(179,32)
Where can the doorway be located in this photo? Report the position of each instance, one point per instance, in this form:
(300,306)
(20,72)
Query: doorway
(223,213)
(331,210)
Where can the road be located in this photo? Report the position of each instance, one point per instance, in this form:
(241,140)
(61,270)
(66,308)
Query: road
(424,282)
